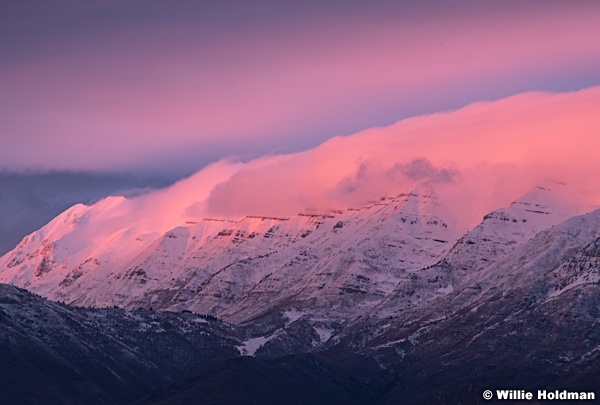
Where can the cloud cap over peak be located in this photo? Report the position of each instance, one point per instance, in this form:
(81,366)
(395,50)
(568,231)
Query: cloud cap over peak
(482,156)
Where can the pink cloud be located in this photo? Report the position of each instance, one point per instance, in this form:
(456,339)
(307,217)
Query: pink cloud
(479,158)
(482,157)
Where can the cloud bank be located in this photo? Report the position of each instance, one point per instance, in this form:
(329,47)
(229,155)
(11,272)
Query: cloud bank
(480,158)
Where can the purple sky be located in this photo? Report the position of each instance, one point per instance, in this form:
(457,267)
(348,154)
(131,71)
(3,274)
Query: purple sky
(170,86)
(96,90)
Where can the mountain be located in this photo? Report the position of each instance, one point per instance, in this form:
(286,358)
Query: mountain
(500,232)
(529,320)
(52,353)
(223,267)
(367,305)
(322,269)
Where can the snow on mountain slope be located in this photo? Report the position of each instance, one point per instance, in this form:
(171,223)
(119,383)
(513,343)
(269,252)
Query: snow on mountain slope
(503,230)
(553,262)
(550,261)
(180,265)
(387,258)
(542,296)
(500,232)
(353,260)
(581,270)
(75,242)
(529,318)
(85,239)
(209,265)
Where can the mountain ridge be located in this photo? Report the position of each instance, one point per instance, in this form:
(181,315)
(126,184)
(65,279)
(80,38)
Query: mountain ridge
(388,285)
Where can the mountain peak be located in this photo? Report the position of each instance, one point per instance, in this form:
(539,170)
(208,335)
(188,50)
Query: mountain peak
(549,198)
(503,230)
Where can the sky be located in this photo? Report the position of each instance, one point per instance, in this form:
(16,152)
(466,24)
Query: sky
(143,93)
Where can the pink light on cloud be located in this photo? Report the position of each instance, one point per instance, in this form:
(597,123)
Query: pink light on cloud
(482,156)
(478,158)
(143,93)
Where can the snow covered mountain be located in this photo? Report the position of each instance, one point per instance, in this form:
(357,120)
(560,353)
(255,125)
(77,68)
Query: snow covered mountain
(380,259)
(529,319)
(223,267)
(340,261)
(385,297)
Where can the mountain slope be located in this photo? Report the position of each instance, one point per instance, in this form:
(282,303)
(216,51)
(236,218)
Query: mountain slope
(224,267)
(296,282)
(52,353)
(378,304)
(530,321)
